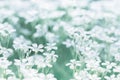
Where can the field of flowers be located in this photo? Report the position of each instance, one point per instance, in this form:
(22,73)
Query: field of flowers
(59,39)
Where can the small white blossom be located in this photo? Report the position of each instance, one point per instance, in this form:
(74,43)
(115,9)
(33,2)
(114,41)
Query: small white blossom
(37,48)
(6,29)
(21,43)
(109,65)
(68,43)
(117,69)
(51,57)
(112,77)
(51,46)
(4,63)
(46,77)
(95,64)
(6,52)
(73,64)
(12,78)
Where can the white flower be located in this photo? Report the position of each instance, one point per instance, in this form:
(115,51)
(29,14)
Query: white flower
(99,33)
(2,79)
(73,64)
(94,77)
(95,64)
(51,46)
(6,29)
(109,65)
(29,15)
(17,62)
(27,62)
(39,61)
(37,48)
(82,75)
(117,57)
(6,52)
(31,78)
(56,14)
(40,30)
(50,57)
(115,50)
(28,72)
(51,37)
(117,69)
(12,78)
(46,77)
(118,77)
(4,63)
(21,43)
(9,72)
(112,77)
(68,43)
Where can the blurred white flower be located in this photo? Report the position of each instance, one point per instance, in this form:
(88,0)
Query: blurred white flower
(56,14)
(12,78)
(95,64)
(112,77)
(2,78)
(21,43)
(51,37)
(6,29)
(50,57)
(117,69)
(109,65)
(5,13)
(41,30)
(30,15)
(4,63)
(117,57)
(82,75)
(29,72)
(37,48)
(51,46)
(6,52)
(73,64)
(68,43)
(46,77)
(90,29)
(39,61)
(94,77)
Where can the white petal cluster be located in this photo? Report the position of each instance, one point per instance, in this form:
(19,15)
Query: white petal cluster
(42,39)
(6,29)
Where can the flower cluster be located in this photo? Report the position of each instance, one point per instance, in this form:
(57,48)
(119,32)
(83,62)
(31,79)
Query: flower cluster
(48,39)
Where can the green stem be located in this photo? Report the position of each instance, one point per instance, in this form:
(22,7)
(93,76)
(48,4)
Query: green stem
(5,75)
(19,73)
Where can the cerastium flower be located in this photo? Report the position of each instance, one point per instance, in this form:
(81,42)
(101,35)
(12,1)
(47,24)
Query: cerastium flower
(59,39)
